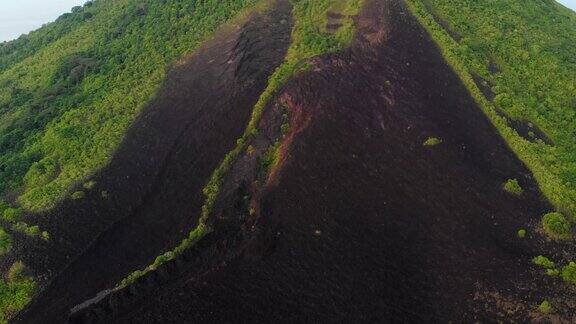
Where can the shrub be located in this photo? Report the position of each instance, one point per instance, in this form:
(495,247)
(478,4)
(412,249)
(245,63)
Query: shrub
(89,184)
(521,233)
(5,242)
(14,295)
(545,307)
(12,214)
(556,226)
(16,271)
(552,272)
(26,229)
(568,273)
(432,141)
(543,262)
(77,195)
(512,186)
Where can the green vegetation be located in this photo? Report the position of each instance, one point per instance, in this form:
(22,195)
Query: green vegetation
(545,307)
(89,184)
(12,214)
(5,242)
(24,228)
(521,233)
(432,141)
(16,292)
(525,50)
(552,272)
(568,273)
(16,271)
(77,195)
(308,40)
(512,186)
(556,226)
(544,262)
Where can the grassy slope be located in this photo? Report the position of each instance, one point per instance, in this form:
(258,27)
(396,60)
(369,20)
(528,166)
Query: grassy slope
(69,91)
(309,39)
(532,42)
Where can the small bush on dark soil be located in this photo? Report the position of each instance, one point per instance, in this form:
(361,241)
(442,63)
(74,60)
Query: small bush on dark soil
(545,307)
(77,195)
(568,273)
(552,272)
(16,271)
(556,226)
(432,141)
(521,233)
(15,294)
(544,262)
(5,242)
(512,186)
(26,229)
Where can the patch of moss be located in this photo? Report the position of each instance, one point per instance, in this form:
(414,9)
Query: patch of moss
(513,187)
(556,226)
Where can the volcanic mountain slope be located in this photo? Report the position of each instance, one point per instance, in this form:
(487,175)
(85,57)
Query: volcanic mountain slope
(173,147)
(314,161)
(386,202)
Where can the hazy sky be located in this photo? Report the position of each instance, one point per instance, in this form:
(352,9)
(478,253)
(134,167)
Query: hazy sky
(569,3)
(22,16)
